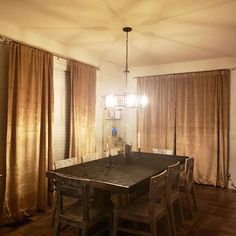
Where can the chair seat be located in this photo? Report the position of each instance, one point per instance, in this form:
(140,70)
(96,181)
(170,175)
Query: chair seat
(140,209)
(84,214)
(75,213)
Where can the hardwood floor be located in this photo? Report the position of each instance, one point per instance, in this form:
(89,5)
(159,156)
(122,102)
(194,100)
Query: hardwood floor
(216,217)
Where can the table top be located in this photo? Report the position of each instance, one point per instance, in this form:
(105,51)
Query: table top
(123,176)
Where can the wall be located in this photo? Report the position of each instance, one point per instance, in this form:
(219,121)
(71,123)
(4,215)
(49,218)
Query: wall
(35,40)
(232,164)
(202,65)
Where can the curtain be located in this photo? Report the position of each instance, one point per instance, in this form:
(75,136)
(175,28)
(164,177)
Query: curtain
(83,102)
(156,122)
(29,120)
(202,121)
(200,109)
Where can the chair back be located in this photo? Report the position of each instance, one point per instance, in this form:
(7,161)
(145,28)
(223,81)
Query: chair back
(113,152)
(189,165)
(168,151)
(90,157)
(173,180)
(157,150)
(65,162)
(157,192)
(163,151)
(74,188)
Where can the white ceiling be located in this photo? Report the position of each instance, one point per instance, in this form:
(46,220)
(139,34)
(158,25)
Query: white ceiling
(164,31)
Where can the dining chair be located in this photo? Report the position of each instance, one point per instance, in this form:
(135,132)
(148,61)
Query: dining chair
(187,184)
(90,157)
(64,163)
(113,152)
(173,194)
(83,215)
(52,184)
(163,151)
(145,211)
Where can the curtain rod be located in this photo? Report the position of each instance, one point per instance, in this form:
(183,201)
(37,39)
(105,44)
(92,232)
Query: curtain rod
(7,40)
(230,69)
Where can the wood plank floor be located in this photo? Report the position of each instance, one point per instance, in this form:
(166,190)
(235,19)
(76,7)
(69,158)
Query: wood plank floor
(216,217)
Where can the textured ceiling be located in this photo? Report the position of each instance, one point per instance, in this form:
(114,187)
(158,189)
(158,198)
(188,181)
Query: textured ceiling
(164,31)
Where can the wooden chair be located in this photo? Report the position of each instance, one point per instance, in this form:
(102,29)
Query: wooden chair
(163,151)
(64,163)
(90,157)
(187,184)
(52,184)
(83,214)
(173,194)
(113,151)
(145,211)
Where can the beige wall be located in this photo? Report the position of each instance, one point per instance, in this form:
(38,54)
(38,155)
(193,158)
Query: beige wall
(41,42)
(232,164)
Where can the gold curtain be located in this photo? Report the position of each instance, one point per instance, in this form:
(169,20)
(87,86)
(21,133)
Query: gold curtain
(83,102)
(200,112)
(202,122)
(29,118)
(156,122)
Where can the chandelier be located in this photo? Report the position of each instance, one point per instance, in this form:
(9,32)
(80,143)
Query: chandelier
(125,100)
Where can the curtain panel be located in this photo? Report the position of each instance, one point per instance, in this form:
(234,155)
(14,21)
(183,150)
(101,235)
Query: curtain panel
(83,103)
(200,114)
(156,122)
(29,125)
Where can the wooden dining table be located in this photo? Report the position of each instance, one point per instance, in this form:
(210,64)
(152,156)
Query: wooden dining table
(118,175)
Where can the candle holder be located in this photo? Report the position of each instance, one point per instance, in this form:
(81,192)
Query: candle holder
(110,165)
(128,153)
(139,152)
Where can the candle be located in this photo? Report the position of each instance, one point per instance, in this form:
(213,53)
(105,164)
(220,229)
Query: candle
(109,145)
(139,140)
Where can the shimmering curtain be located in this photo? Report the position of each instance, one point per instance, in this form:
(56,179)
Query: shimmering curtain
(202,123)
(29,118)
(156,122)
(200,109)
(83,102)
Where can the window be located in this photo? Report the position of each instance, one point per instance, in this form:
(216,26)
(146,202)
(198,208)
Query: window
(61,124)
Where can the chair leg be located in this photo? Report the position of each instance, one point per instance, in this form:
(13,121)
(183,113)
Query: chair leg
(172,219)
(84,231)
(189,203)
(78,231)
(115,224)
(181,212)
(168,223)
(57,228)
(153,228)
(53,216)
(194,198)
(110,225)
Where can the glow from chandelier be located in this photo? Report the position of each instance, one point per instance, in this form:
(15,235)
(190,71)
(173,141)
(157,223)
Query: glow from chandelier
(125,100)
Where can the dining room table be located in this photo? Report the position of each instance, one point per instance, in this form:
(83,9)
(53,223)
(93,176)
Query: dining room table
(119,175)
